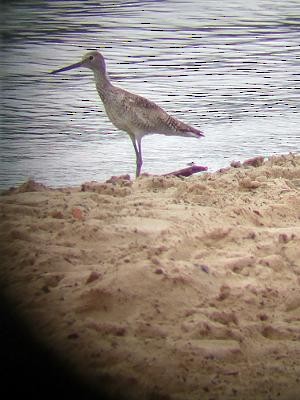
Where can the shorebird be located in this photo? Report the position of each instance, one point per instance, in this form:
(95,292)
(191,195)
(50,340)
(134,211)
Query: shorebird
(129,112)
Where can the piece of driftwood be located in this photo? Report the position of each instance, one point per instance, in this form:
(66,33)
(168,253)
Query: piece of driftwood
(188,171)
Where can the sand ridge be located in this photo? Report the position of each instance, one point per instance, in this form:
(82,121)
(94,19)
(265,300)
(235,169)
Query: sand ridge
(165,288)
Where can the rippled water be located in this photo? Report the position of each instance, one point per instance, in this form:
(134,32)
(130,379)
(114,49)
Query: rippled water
(228,68)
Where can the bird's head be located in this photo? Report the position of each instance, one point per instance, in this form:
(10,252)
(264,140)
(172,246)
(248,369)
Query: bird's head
(92,60)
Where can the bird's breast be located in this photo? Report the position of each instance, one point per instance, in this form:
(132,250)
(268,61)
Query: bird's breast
(118,117)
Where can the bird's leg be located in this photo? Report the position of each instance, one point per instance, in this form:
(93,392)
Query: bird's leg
(137,150)
(139,159)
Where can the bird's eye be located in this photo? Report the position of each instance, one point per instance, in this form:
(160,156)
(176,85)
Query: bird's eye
(91,58)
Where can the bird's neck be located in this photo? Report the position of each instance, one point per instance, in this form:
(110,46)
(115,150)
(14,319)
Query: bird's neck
(102,82)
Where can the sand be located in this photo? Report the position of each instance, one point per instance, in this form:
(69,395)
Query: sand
(164,287)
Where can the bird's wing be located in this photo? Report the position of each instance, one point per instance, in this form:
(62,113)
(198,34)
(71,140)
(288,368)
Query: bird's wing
(151,118)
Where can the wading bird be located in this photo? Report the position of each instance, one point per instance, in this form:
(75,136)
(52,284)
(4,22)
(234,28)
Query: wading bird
(129,112)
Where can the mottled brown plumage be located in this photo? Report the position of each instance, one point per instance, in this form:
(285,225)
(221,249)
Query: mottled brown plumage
(129,112)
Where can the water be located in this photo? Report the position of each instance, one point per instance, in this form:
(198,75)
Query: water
(229,68)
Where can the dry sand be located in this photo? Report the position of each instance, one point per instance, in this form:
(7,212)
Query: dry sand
(165,288)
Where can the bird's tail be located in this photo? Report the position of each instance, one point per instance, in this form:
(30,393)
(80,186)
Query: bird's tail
(193,132)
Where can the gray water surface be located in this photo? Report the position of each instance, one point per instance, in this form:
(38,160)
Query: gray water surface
(229,68)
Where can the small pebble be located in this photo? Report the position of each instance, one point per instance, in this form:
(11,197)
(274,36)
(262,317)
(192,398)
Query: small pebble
(77,213)
(93,277)
(159,271)
(235,164)
(254,162)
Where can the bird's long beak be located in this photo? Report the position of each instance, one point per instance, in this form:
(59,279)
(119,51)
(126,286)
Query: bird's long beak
(72,66)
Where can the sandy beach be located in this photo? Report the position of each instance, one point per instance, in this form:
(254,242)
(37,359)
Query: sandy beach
(163,287)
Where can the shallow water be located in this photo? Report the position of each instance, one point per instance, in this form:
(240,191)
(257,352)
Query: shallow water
(229,68)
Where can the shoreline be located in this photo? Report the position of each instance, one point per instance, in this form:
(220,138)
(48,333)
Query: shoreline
(203,169)
(164,287)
